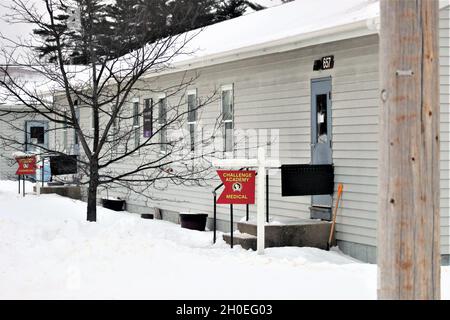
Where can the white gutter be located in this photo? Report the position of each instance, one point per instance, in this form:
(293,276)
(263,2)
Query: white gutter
(343,32)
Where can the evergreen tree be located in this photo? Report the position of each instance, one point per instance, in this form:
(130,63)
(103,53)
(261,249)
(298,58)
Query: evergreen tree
(94,31)
(117,28)
(230,9)
(47,33)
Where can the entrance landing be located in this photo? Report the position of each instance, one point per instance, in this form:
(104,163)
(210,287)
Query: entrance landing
(286,233)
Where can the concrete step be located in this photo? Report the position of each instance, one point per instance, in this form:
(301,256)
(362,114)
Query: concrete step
(323,213)
(245,240)
(292,233)
(73,192)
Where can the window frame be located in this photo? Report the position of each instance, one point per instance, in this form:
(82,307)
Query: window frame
(192,123)
(92,119)
(225,88)
(65,127)
(76,141)
(136,123)
(162,122)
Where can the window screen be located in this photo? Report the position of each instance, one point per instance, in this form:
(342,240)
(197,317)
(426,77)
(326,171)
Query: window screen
(65,130)
(227,105)
(162,120)
(136,114)
(192,118)
(192,107)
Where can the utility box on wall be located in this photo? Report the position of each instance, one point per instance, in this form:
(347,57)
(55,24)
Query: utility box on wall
(61,165)
(307,179)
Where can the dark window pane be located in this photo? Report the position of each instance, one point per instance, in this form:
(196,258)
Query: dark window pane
(192,135)
(77,114)
(228,136)
(148,118)
(192,108)
(227,105)
(163,139)
(162,111)
(135,113)
(38,134)
(137,141)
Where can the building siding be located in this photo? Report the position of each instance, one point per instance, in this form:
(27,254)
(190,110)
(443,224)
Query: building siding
(273,92)
(13,127)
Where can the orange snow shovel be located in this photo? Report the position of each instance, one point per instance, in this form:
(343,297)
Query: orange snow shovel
(340,189)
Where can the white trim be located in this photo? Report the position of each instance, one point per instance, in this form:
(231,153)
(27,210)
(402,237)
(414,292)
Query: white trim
(192,92)
(135,99)
(226,87)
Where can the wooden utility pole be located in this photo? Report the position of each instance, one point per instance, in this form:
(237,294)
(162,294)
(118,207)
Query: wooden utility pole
(408,226)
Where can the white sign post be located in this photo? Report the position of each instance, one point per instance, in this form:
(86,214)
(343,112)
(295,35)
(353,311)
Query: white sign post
(38,184)
(261,163)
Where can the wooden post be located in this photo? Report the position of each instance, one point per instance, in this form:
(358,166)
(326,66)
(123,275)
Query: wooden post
(408,224)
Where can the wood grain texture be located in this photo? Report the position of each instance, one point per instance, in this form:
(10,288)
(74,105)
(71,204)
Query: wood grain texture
(408,225)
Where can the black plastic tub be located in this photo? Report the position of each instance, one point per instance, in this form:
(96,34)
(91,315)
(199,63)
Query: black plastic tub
(114,204)
(195,221)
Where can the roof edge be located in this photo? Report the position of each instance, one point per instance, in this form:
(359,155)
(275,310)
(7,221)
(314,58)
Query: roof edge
(348,31)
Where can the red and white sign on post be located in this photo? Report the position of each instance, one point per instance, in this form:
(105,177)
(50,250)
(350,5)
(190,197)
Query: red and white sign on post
(27,165)
(239,187)
(262,164)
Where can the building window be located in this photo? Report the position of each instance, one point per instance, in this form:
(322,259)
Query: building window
(77,116)
(136,124)
(114,132)
(65,131)
(148,118)
(192,116)
(162,121)
(92,119)
(227,117)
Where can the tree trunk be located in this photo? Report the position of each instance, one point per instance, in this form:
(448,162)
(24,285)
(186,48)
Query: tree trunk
(408,222)
(92,193)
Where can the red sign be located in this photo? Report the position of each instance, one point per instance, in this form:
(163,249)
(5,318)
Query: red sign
(27,166)
(239,187)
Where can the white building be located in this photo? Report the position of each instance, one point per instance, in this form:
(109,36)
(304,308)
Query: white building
(263,65)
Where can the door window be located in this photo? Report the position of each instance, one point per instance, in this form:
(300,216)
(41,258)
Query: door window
(322,125)
(37,135)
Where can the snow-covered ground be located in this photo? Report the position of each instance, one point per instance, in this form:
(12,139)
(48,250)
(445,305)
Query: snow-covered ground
(48,251)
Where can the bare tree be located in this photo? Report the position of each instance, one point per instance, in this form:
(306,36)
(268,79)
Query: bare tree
(113,150)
